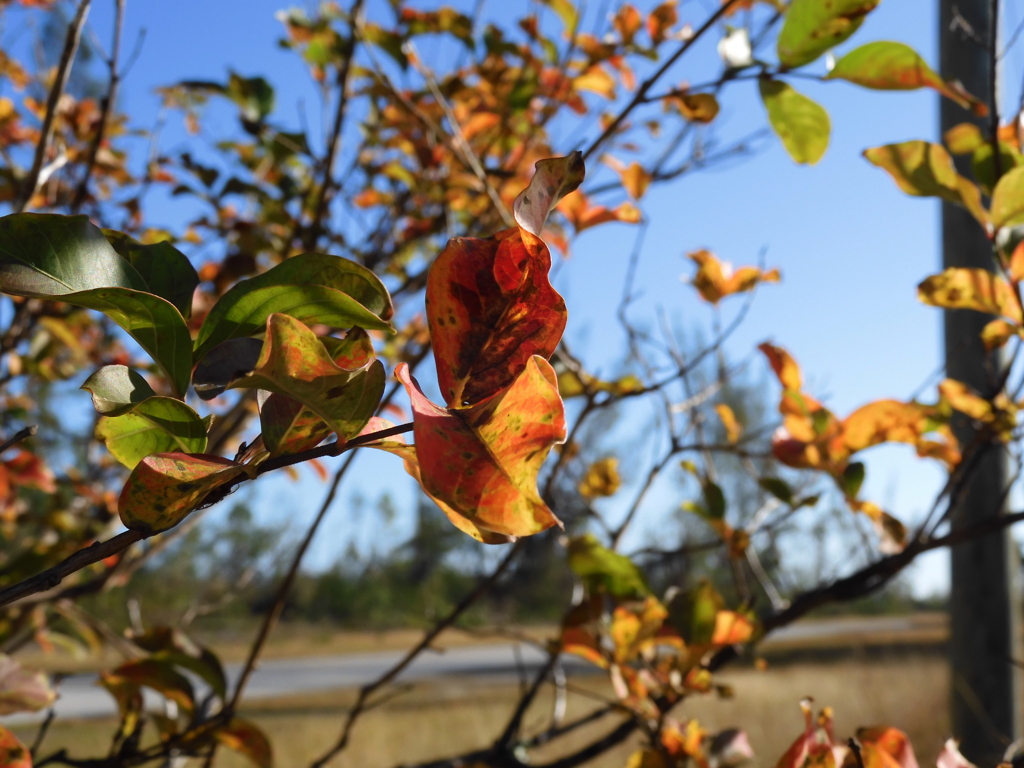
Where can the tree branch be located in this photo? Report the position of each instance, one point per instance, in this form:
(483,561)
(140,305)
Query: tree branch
(60,81)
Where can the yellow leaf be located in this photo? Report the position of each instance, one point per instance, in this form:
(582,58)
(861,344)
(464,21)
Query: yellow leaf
(786,369)
(646,758)
(997,333)
(602,479)
(733,430)
(731,628)
(695,107)
(596,80)
(978,289)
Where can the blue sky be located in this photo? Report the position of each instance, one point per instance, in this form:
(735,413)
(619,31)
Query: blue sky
(851,247)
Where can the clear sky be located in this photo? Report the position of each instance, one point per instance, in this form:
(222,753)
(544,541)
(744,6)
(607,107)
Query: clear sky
(851,247)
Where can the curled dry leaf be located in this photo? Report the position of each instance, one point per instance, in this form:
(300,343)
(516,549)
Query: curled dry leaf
(715,279)
(22,689)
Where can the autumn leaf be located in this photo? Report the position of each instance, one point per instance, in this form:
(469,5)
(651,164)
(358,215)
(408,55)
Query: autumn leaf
(695,107)
(583,215)
(635,629)
(926,170)
(247,739)
(13,754)
(482,460)
(163,489)
(785,367)
(294,362)
(490,309)
(1008,200)
(714,279)
(159,675)
(602,479)
(977,289)
(731,628)
(892,744)
(890,66)
(605,571)
(963,139)
(733,429)
(810,28)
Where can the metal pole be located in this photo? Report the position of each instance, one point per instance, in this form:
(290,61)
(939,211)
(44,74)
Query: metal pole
(984,597)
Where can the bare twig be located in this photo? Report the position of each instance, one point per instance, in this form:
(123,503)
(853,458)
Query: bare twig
(109,100)
(60,81)
(17,437)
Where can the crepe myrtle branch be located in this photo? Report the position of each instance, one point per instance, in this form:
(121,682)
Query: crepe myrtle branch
(98,551)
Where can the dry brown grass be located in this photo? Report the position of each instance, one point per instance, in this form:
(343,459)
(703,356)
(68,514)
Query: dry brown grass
(441,718)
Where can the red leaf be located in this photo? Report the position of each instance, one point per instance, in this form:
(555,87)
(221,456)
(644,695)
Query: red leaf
(13,753)
(490,308)
(481,462)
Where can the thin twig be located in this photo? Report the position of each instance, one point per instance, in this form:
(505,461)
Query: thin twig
(17,437)
(105,109)
(60,81)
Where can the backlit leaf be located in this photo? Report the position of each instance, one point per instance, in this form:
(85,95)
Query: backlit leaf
(926,170)
(604,571)
(731,628)
(163,489)
(490,309)
(1008,200)
(696,107)
(45,255)
(156,425)
(482,461)
(171,645)
(785,367)
(811,27)
(295,363)
(247,739)
(733,430)
(22,689)
(715,279)
(312,287)
(978,289)
(890,66)
(552,180)
(116,389)
(801,124)
(963,139)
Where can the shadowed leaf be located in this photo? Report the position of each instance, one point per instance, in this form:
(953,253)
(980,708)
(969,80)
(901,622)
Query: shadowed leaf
(171,645)
(116,389)
(164,269)
(159,675)
(247,739)
(295,363)
(552,180)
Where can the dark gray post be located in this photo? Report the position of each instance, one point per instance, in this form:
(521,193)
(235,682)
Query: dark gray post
(984,599)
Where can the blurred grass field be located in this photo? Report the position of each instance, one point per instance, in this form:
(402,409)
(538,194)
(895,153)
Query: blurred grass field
(441,718)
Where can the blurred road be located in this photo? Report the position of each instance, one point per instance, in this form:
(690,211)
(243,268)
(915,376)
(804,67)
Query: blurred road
(80,697)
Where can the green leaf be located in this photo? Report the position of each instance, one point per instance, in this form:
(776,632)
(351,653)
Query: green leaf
(116,389)
(163,489)
(602,570)
(889,66)
(803,125)
(714,499)
(164,269)
(44,255)
(156,425)
(984,168)
(853,479)
(1008,200)
(295,363)
(253,95)
(778,488)
(153,322)
(812,27)
(696,612)
(312,287)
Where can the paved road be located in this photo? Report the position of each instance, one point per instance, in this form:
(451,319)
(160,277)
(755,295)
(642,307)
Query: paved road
(80,697)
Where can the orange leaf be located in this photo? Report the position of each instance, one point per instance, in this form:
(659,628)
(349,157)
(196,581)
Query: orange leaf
(490,308)
(891,742)
(13,754)
(165,487)
(695,107)
(731,628)
(247,739)
(784,366)
(661,20)
(716,279)
(482,461)
(733,430)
